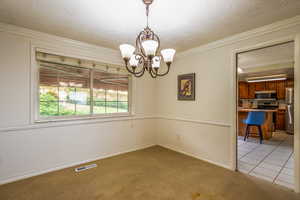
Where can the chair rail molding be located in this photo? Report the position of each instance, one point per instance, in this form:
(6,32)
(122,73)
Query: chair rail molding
(207,122)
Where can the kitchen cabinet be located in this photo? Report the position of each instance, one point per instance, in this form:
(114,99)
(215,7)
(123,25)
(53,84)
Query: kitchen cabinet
(280,119)
(271,85)
(251,90)
(281,89)
(289,83)
(260,86)
(243,90)
(247,90)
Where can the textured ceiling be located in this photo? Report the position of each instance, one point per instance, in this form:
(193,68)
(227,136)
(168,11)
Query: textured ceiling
(180,24)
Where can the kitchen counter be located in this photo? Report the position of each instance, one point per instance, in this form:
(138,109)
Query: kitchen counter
(267,128)
(256,110)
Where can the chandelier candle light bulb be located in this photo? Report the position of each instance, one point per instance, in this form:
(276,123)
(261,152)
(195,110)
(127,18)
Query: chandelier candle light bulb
(127,50)
(134,61)
(146,56)
(168,55)
(156,62)
(150,47)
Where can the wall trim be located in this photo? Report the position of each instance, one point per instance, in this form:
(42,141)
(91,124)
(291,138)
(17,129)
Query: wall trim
(213,123)
(276,26)
(73,123)
(197,157)
(96,120)
(63,166)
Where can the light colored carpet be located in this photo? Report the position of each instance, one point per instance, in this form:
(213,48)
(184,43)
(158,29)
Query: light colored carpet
(150,174)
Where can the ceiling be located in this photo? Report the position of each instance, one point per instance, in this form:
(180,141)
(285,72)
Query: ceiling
(278,59)
(180,24)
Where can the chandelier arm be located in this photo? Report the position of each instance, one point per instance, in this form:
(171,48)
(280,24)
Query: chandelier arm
(153,75)
(141,73)
(165,73)
(158,41)
(129,70)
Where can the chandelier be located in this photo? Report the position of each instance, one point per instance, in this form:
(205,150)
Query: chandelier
(145,56)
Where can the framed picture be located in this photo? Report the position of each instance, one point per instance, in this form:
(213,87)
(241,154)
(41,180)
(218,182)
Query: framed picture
(186,87)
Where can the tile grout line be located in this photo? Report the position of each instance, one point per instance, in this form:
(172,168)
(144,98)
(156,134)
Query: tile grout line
(266,156)
(249,151)
(283,167)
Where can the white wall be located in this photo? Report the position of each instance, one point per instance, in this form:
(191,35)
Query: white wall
(27,149)
(202,128)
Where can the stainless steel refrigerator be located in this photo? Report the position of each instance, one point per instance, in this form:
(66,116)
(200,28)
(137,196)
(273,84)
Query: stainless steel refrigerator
(289,114)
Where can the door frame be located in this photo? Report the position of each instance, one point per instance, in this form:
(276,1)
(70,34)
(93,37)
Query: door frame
(234,100)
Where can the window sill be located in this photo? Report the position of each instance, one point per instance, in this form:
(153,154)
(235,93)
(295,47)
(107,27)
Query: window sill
(83,118)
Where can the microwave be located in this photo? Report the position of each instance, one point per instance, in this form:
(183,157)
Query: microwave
(266,95)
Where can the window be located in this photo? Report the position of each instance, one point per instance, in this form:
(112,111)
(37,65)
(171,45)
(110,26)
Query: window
(66,90)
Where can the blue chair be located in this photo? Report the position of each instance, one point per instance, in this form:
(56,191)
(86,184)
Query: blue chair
(255,118)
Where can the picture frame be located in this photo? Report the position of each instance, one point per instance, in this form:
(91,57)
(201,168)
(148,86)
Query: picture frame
(186,87)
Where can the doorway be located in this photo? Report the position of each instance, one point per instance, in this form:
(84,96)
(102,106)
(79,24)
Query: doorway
(265,113)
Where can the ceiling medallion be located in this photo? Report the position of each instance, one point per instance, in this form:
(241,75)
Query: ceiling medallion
(145,56)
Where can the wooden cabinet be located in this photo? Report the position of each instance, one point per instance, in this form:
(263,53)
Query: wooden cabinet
(247,90)
(281,89)
(271,85)
(260,86)
(289,83)
(251,90)
(243,90)
(280,119)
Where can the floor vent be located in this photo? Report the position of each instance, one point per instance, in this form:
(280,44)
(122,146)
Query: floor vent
(86,167)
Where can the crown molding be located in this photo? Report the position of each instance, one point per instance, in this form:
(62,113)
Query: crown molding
(280,25)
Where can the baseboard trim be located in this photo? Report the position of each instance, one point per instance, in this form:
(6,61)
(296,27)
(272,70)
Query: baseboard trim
(64,166)
(194,156)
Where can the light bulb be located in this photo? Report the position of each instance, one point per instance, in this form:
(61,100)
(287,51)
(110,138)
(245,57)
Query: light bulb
(156,62)
(134,61)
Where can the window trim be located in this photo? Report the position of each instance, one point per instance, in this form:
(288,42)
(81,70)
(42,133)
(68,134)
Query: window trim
(35,101)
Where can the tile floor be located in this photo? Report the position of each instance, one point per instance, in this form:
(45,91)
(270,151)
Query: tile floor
(273,160)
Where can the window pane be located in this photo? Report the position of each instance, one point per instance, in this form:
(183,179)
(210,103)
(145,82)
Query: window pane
(112,95)
(48,108)
(122,95)
(70,86)
(111,107)
(66,108)
(110,92)
(99,107)
(99,94)
(48,76)
(122,106)
(65,93)
(48,93)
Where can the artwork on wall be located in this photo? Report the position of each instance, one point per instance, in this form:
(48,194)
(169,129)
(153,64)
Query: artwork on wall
(186,87)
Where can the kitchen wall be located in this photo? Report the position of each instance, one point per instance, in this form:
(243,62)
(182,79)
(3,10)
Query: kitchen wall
(202,128)
(27,149)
